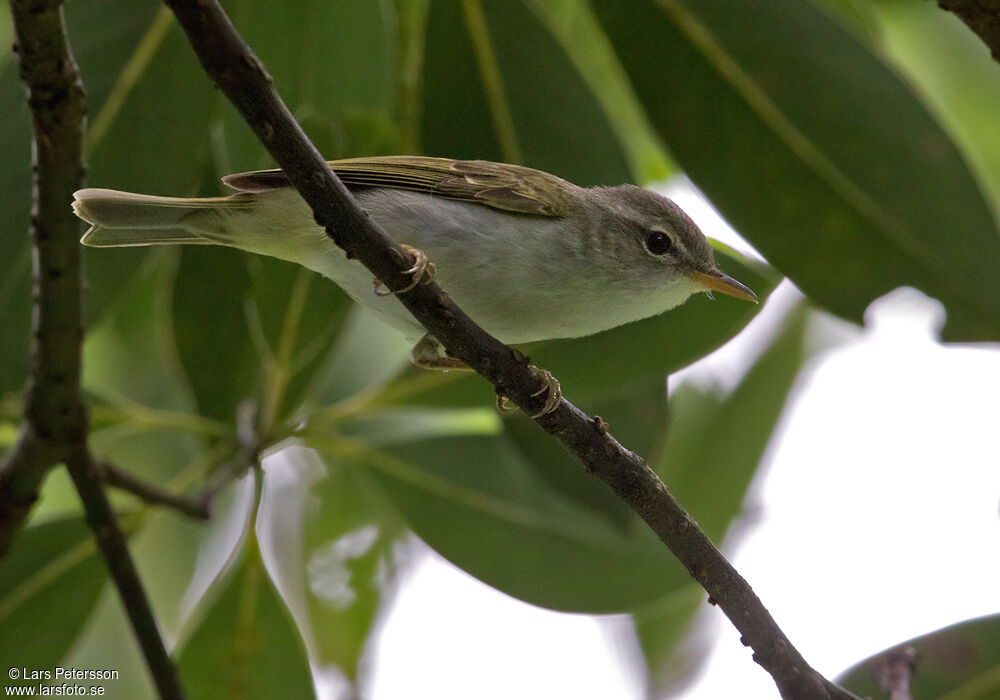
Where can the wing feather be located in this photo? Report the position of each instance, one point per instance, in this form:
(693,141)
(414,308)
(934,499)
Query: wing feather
(497,185)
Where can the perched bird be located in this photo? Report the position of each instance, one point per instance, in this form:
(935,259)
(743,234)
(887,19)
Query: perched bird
(529,256)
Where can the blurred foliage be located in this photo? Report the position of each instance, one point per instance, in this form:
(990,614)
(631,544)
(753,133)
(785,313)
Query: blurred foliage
(958,661)
(47,562)
(815,151)
(785,114)
(247,645)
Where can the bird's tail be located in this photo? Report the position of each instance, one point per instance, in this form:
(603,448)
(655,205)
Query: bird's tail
(126,219)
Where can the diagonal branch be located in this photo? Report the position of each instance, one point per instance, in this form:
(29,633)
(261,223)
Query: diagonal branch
(55,428)
(238,72)
(113,546)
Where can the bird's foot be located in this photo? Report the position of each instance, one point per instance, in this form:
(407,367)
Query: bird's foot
(422,269)
(549,384)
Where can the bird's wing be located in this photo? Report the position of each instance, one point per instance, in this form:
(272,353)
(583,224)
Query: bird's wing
(497,185)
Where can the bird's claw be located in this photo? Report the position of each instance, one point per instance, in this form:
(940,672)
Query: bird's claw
(422,268)
(549,384)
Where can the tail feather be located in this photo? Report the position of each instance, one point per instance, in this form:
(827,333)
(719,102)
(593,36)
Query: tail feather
(127,219)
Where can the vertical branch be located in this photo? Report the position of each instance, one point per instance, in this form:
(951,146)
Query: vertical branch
(56,428)
(54,412)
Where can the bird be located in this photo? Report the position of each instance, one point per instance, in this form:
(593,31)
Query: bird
(528,255)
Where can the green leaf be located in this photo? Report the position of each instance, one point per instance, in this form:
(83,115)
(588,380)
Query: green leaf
(616,361)
(49,581)
(498,86)
(342,91)
(179,558)
(108,640)
(129,355)
(142,417)
(476,501)
(714,447)
(250,326)
(814,151)
(366,355)
(329,543)
(959,662)
(575,27)
(955,74)
(247,645)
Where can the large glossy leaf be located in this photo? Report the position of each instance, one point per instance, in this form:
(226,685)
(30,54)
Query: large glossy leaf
(475,501)
(250,326)
(141,412)
(129,356)
(179,558)
(814,151)
(247,645)
(329,538)
(49,581)
(574,26)
(498,86)
(108,638)
(955,73)
(342,91)
(959,661)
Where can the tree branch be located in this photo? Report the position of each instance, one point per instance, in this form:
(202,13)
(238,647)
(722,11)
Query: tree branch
(241,76)
(982,17)
(895,672)
(112,543)
(56,428)
(53,410)
(113,476)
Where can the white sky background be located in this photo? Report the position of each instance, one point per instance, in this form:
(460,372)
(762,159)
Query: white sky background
(876,519)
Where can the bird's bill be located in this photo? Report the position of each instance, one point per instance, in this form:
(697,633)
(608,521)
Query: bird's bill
(718,281)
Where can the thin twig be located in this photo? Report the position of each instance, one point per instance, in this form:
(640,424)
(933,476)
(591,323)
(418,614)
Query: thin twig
(895,672)
(56,425)
(123,480)
(247,456)
(235,69)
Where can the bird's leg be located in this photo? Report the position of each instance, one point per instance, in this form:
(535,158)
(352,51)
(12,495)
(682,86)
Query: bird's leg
(549,384)
(430,354)
(422,267)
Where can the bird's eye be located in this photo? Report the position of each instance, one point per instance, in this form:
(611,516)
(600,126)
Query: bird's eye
(658,243)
